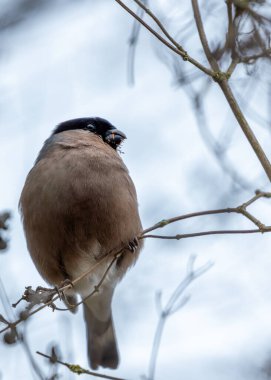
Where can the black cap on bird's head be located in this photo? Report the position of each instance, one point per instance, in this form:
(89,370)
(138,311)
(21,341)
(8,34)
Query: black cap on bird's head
(97,125)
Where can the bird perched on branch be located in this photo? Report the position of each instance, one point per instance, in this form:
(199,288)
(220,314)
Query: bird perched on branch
(79,207)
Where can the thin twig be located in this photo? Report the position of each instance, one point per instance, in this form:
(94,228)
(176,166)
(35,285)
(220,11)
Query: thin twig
(35,366)
(205,233)
(77,369)
(175,302)
(245,127)
(160,25)
(218,146)
(22,338)
(184,55)
(96,287)
(242,209)
(248,59)
(202,36)
(62,289)
(133,41)
(220,77)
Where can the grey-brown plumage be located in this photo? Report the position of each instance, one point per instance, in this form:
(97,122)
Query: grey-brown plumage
(78,205)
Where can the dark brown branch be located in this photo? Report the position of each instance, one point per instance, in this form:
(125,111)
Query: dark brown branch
(77,369)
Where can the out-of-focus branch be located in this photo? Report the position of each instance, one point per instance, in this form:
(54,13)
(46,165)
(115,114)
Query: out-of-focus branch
(178,50)
(223,83)
(220,77)
(4,217)
(160,25)
(48,296)
(252,58)
(132,41)
(23,340)
(77,369)
(12,336)
(245,127)
(218,147)
(174,304)
(230,40)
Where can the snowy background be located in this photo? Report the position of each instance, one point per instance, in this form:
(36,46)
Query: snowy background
(68,60)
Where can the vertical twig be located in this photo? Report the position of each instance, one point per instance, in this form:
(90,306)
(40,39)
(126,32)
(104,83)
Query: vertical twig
(223,83)
(245,127)
(175,303)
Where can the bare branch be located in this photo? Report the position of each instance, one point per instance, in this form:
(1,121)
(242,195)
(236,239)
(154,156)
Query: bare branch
(205,233)
(252,58)
(245,127)
(238,210)
(230,42)
(49,296)
(133,40)
(4,217)
(175,302)
(77,369)
(37,369)
(178,51)
(160,25)
(220,77)
(232,66)
(203,38)
(223,83)
(12,336)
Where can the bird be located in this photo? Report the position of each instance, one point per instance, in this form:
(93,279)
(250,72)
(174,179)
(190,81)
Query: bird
(79,208)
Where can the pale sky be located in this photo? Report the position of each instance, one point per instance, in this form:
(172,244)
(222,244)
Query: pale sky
(71,61)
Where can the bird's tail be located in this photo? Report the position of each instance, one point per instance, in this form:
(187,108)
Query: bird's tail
(102,345)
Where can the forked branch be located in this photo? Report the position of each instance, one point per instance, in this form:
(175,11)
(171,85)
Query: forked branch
(47,297)
(220,77)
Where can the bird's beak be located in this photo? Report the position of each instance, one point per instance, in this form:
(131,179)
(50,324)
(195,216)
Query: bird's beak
(115,137)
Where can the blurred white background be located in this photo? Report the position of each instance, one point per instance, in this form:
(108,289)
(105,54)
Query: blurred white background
(68,59)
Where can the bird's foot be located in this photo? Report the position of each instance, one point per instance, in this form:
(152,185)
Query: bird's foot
(133,245)
(59,289)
